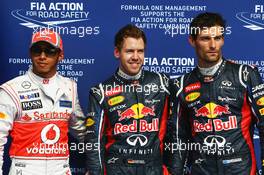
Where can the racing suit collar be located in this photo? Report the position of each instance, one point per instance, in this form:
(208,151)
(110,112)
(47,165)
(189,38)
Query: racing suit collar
(206,79)
(127,79)
(40,82)
(210,71)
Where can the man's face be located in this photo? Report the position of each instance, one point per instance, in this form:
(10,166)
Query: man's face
(131,55)
(45,58)
(208,45)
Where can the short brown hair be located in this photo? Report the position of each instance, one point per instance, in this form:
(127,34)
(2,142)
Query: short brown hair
(129,31)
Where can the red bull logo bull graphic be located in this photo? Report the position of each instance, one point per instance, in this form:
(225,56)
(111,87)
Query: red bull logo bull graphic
(211,110)
(216,124)
(136,111)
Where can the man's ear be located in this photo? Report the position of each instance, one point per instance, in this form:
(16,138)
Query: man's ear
(117,53)
(191,41)
(61,55)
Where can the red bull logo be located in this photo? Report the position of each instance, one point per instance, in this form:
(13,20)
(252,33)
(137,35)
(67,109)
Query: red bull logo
(136,111)
(141,126)
(212,110)
(216,124)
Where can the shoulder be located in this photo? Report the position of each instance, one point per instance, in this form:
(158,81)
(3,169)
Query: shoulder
(100,90)
(67,81)
(21,80)
(157,77)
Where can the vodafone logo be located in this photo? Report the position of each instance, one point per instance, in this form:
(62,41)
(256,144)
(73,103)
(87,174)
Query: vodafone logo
(50,134)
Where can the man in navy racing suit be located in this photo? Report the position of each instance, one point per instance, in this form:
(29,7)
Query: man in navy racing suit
(128,114)
(215,108)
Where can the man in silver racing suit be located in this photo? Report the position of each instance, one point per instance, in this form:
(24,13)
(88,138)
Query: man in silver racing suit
(36,109)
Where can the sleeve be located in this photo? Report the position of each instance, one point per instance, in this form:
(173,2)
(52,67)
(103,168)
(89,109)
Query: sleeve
(255,89)
(77,122)
(8,112)
(178,133)
(94,137)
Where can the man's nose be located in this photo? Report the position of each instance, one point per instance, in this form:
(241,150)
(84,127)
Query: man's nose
(43,55)
(212,43)
(135,55)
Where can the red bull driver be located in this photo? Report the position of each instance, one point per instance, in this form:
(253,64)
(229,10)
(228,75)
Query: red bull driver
(128,113)
(215,108)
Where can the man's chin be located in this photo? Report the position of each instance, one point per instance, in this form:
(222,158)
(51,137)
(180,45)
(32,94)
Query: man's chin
(133,72)
(213,58)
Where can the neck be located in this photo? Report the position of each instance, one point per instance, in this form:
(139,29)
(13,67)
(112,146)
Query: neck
(210,71)
(129,77)
(204,63)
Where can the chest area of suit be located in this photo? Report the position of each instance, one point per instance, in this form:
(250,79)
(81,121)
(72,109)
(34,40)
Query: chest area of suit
(215,104)
(137,109)
(37,105)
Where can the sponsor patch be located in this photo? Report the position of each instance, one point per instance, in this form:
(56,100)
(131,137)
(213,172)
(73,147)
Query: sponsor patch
(114,91)
(89,122)
(232,161)
(29,96)
(116,100)
(192,96)
(65,103)
(29,105)
(2,115)
(261,111)
(130,161)
(192,87)
(260,101)
(20,164)
(25,117)
(26,84)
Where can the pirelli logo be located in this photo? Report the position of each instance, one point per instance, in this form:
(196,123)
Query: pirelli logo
(29,105)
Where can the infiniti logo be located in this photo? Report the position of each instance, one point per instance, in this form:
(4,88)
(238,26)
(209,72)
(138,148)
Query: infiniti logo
(226,83)
(134,139)
(213,140)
